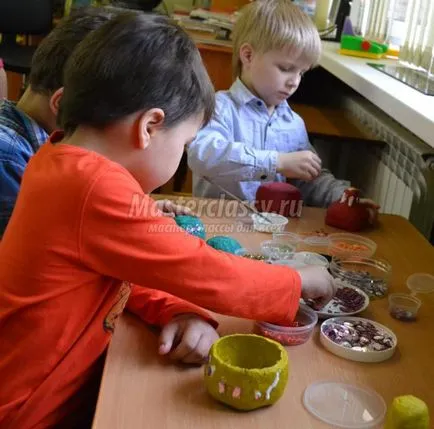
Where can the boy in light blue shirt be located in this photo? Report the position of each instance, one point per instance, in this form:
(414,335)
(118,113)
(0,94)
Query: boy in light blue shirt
(254,136)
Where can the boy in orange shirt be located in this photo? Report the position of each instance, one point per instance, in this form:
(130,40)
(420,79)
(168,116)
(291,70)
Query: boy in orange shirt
(135,93)
(23,129)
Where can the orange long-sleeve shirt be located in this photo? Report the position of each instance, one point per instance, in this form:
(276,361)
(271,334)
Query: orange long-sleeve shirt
(71,249)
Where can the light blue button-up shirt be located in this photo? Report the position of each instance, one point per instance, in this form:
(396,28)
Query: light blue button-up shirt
(238,149)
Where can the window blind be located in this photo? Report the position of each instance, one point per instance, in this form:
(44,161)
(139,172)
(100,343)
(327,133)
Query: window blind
(414,20)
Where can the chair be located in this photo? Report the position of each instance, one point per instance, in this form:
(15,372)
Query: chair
(22,17)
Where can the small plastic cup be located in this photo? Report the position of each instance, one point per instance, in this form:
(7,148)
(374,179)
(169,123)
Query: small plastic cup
(404,307)
(299,333)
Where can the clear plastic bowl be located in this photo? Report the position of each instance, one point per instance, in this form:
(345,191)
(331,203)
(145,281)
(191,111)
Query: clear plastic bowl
(277,249)
(292,263)
(404,307)
(290,335)
(277,223)
(288,238)
(311,258)
(342,244)
(302,240)
(368,274)
(252,253)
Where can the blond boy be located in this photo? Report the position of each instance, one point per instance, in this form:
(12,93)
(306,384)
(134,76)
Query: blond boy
(255,136)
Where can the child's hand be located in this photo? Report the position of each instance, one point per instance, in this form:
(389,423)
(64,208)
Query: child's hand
(316,285)
(187,338)
(373,209)
(169,208)
(304,165)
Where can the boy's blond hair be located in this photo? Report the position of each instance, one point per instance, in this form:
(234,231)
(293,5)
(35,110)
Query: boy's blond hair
(274,24)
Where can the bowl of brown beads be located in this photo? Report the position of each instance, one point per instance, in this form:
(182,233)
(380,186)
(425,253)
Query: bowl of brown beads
(348,301)
(358,339)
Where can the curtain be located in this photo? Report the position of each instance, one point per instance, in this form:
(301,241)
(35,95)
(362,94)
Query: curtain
(418,46)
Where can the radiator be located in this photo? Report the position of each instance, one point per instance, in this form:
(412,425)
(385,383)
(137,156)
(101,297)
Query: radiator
(398,175)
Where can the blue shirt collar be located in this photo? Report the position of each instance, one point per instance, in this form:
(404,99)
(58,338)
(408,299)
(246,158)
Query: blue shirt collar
(242,95)
(12,117)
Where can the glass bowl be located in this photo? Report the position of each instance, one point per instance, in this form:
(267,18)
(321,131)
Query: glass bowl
(368,274)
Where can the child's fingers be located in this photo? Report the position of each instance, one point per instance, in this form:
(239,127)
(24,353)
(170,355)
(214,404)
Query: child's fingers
(200,352)
(167,338)
(311,173)
(316,161)
(188,343)
(317,158)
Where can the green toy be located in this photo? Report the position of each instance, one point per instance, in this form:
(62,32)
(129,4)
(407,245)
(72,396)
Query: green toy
(407,412)
(246,371)
(224,243)
(192,224)
(360,47)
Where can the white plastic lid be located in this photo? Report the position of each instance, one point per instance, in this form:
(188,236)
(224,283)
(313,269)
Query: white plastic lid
(421,283)
(344,405)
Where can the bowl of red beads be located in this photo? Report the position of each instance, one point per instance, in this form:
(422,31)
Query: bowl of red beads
(344,244)
(295,334)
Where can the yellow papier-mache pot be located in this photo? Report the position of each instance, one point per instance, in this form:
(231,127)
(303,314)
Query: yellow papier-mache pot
(246,371)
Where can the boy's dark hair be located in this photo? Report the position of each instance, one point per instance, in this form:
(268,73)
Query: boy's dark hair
(46,74)
(134,63)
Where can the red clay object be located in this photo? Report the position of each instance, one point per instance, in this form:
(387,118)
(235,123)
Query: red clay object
(279,197)
(348,213)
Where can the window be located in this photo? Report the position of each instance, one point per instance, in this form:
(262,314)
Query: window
(406,23)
